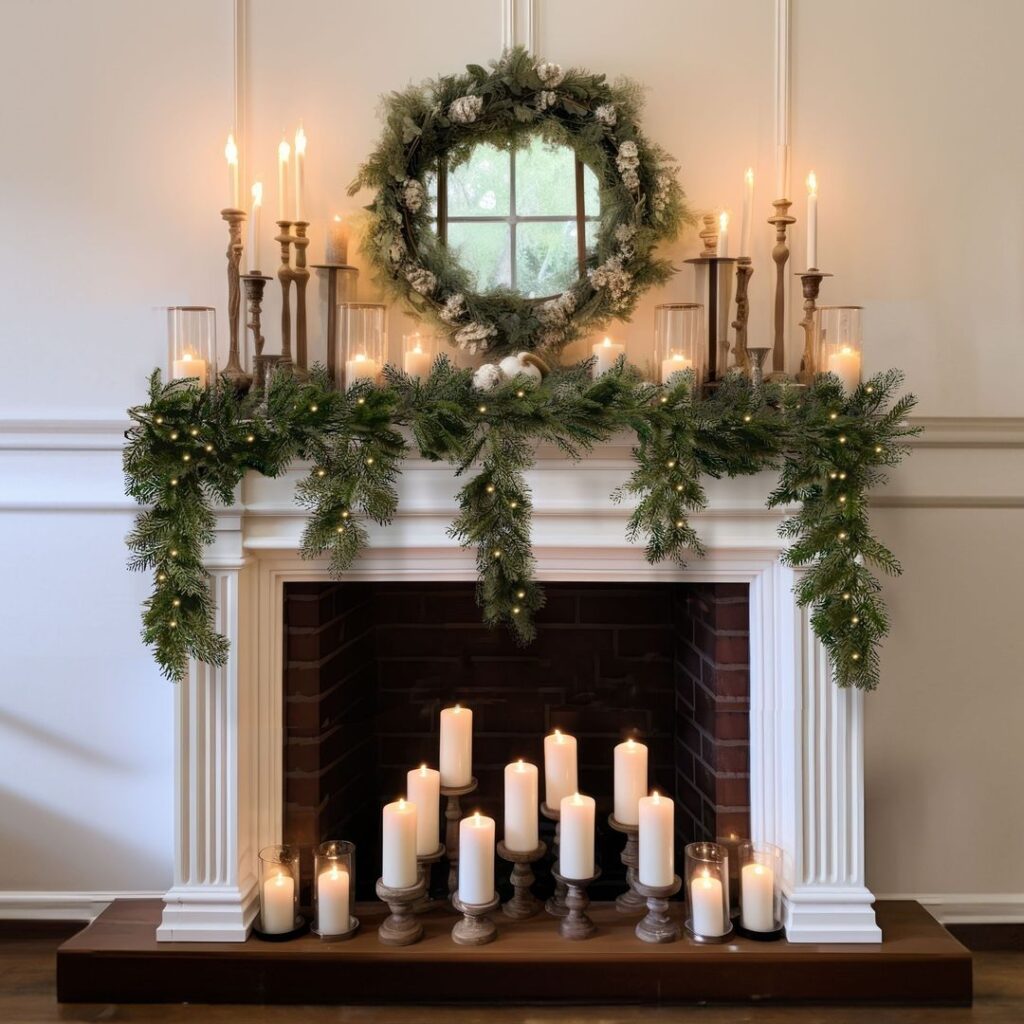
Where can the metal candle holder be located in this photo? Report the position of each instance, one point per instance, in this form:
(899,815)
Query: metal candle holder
(452,817)
(523,903)
(718,348)
(332,307)
(657,925)
(254,286)
(284,275)
(810,281)
(576,924)
(780,255)
(300,275)
(630,901)
(475,928)
(424,862)
(400,927)
(744,270)
(757,358)
(555,904)
(233,370)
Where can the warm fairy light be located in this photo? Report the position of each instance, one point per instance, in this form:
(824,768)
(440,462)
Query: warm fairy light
(257,193)
(284,151)
(231,150)
(300,142)
(812,184)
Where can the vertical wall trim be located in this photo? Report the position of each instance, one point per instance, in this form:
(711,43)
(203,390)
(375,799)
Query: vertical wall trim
(508,24)
(519,24)
(531,25)
(240,90)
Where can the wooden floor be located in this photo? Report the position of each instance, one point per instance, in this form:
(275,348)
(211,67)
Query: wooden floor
(28,994)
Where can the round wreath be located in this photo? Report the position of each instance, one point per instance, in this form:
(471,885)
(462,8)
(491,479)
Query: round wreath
(642,203)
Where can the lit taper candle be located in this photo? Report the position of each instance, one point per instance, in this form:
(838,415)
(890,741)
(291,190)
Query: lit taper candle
(231,153)
(284,151)
(255,216)
(812,221)
(300,170)
(748,206)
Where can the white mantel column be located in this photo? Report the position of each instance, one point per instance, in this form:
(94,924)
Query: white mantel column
(807,769)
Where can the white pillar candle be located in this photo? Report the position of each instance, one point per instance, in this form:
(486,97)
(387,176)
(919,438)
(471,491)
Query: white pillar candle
(748,207)
(300,171)
(476,859)
(675,363)
(360,367)
(278,910)
(521,832)
(723,233)
(812,221)
(417,363)
(189,366)
(456,747)
(337,240)
(252,250)
(607,352)
(845,364)
(559,768)
(576,837)
(657,840)
(630,780)
(781,171)
(231,153)
(757,898)
(283,155)
(423,790)
(332,916)
(399,845)
(706,905)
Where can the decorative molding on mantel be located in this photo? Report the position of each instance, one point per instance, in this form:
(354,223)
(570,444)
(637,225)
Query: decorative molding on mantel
(64,905)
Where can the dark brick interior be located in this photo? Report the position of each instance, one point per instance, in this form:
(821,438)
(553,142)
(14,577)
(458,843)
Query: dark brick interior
(368,666)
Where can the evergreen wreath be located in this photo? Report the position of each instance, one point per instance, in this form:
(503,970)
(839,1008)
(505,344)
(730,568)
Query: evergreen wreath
(520,96)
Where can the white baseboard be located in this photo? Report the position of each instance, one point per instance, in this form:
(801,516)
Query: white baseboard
(63,906)
(968,908)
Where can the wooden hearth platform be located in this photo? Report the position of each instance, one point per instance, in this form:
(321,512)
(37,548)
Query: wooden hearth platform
(117,959)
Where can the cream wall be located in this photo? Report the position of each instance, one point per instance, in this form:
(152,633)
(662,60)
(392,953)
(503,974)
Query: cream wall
(111,190)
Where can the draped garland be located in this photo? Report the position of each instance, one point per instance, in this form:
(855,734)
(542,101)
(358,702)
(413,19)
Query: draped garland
(189,448)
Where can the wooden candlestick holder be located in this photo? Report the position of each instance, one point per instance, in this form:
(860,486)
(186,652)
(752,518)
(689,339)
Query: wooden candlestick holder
(233,371)
(424,862)
(630,901)
(284,275)
(555,904)
(300,275)
(718,347)
(744,271)
(576,924)
(709,234)
(452,817)
(657,925)
(475,928)
(346,275)
(400,927)
(254,284)
(780,255)
(523,903)
(810,282)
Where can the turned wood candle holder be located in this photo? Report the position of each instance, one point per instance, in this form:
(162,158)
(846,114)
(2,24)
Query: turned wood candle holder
(424,862)
(555,904)
(400,927)
(452,817)
(630,901)
(475,928)
(523,903)
(780,256)
(254,284)
(300,275)
(657,925)
(345,275)
(576,924)
(744,270)
(284,275)
(233,371)
(810,282)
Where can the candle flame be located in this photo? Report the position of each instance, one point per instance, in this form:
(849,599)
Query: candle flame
(284,151)
(300,142)
(337,218)
(231,150)
(476,819)
(187,357)
(749,176)
(846,351)
(723,220)
(656,796)
(758,869)
(607,342)
(401,803)
(423,769)
(279,880)
(520,765)
(577,798)
(630,743)
(457,708)
(812,184)
(361,358)
(558,734)
(257,193)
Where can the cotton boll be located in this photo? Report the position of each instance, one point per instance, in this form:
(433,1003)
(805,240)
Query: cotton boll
(487,377)
(510,367)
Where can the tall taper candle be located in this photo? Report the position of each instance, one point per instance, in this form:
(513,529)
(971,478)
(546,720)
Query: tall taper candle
(748,206)
(456,759)
(723,233)
(521,827)
(423,789)
(576,837)
(399,845)
(231,152)
(300,171)
(657,840)
(812,221)
(630,780)
(559,768)
(283,155)
(476,859)
(253,248)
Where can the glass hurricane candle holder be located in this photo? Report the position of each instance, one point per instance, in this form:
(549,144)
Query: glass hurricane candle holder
(418,354)
(334,888)
(279,890)
(707,889)
(192,343)
(362,340)
(760,892)
(679,340)
(838,337)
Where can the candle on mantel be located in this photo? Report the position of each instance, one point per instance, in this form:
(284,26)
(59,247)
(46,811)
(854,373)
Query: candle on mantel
(706,904)
(336,250)
(657,840)
(757,898)
(812,221)
(521,831)
(231,152)
(284,151)
(456,747)
(255,216)
(278,910)
(607,352)
(189,366)
(361,367)
(416,361)
(576,837)
(332,902)
(423,788)
(845,364)
(723,233)
(675,363)
(559,768)
(630,780)
(748,206)
(300,170)
(398,824)
(781,171)
(476,859)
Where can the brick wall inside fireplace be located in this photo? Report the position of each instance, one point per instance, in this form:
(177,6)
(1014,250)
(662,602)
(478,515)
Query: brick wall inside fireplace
(369,665)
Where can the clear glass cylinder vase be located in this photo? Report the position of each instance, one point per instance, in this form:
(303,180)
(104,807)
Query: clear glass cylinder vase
(418,354)
(334,889)
(192,343)
(838,342)
(707,892)
(362,341)
(760,888)
(279,889)
(679,341)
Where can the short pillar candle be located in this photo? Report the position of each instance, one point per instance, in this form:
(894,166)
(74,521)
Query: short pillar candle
(576,837)
(657,840)
(476,859)
(399,845)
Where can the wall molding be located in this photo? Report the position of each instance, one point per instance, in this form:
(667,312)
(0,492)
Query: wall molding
(65,905)
(968,908)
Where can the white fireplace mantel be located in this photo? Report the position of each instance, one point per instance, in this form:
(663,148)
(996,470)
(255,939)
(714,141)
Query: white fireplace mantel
(806,748)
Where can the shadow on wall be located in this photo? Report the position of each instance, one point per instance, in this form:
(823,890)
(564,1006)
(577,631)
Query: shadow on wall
(63,743)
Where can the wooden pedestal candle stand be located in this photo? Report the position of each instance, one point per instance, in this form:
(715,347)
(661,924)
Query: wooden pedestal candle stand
(744,270)
(576,924)
(255,284)
(400,927)
(657,925)
(300,275)
(452,817)
(423,864)
(780,256)
(523,903)
(284,275)
(233,370)
(629,902)
(555,904)
(475,928)
(810,282)
(345,275)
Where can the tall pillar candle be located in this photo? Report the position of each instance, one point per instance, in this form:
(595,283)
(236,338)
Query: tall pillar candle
(630,780)
(423,790)
(456,747)
(560,777)
(399,869)
(278,909)
(757,897)
(657,840)
(521,828)
(576,837)
(332,901)
(476,859)
(707,905)
(812,221)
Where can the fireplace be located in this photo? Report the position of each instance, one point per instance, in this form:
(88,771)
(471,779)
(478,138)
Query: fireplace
(368,665)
